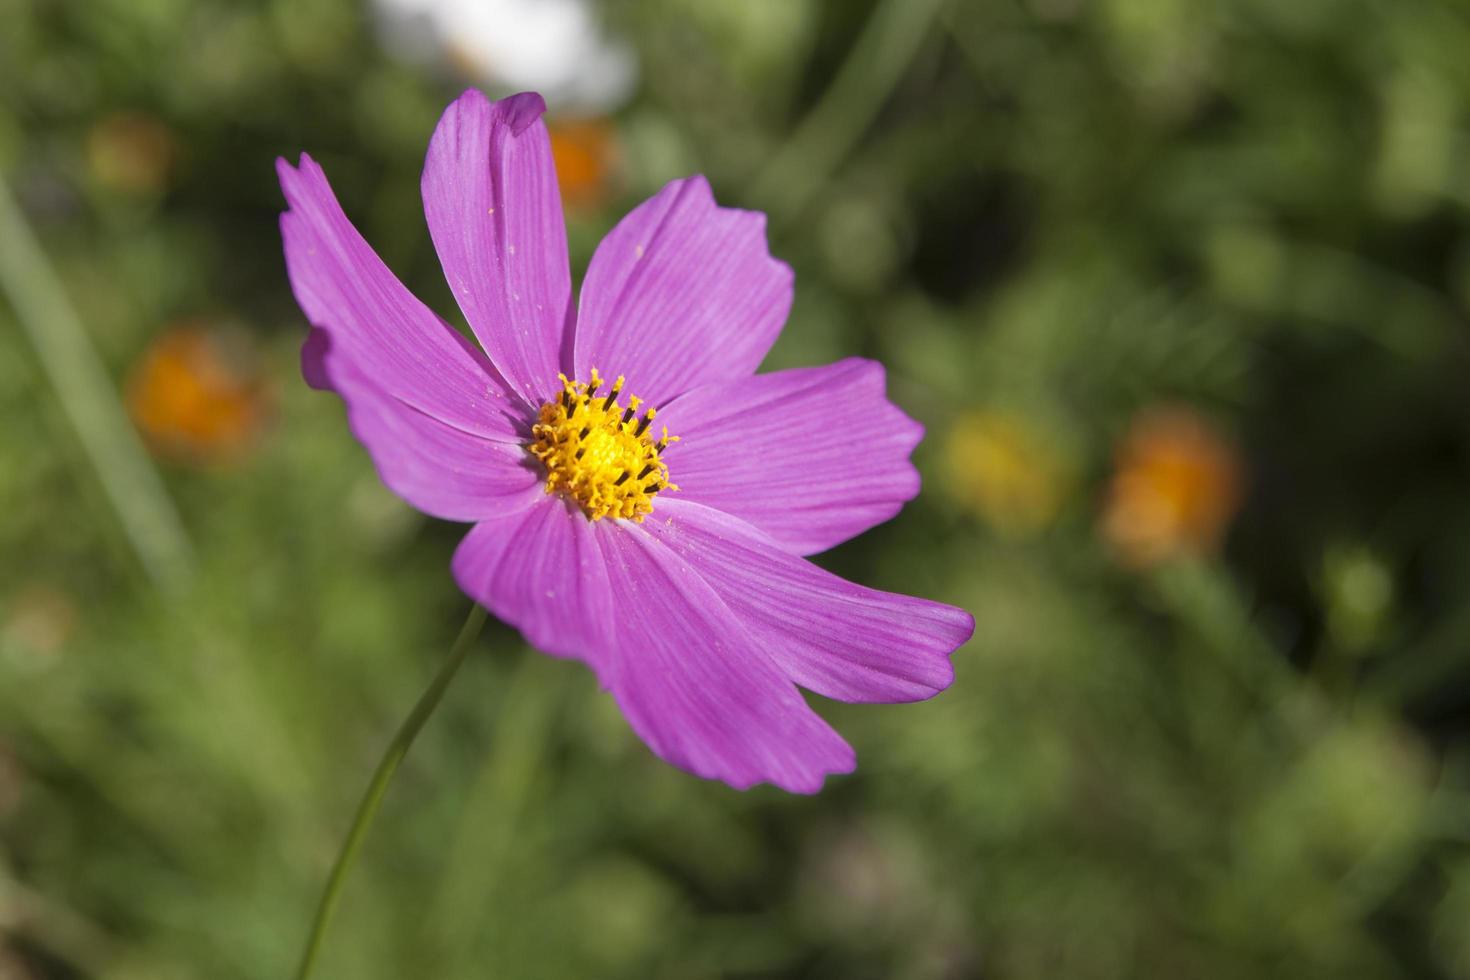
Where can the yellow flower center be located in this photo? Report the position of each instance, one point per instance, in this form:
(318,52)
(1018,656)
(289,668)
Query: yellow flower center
(600,454)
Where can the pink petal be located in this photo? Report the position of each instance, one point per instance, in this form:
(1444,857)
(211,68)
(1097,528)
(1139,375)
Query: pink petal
(695,686)
(369,322)
(826,634)
(429,408)
(494,212)
(539,569)
(811,456)
(681,293)
(442,471)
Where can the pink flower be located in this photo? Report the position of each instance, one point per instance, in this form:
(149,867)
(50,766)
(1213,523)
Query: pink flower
(665,554)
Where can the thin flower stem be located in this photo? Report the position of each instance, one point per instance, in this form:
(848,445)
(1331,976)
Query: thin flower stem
(378,788)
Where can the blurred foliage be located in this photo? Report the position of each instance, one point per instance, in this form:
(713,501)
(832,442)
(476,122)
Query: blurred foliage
(1241,754)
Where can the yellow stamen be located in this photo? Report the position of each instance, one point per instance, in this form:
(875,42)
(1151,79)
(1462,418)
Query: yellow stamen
(597,453)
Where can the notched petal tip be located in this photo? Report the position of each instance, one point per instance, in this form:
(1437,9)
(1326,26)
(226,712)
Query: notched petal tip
(289,176)
(300,183)
(314,359)
(806,777)
(696,184)
(812,784)
(871,373)
(696,187)
(964,626)
(758,225)
(518,111)
(521,110)
(957,628)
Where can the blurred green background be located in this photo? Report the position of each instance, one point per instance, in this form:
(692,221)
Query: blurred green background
(1179,288)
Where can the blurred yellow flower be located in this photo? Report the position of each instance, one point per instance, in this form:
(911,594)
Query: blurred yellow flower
(586,155)
(1176,485)
(196,397)
(131,151)
(997,466)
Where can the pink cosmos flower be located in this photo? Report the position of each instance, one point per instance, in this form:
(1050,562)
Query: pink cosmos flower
(665,554)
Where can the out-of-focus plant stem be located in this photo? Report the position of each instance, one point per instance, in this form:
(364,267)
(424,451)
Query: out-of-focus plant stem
(372,799)
(496,807)
(874,65)
(75,371)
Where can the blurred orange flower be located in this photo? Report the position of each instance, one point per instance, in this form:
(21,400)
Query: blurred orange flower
(586,155)
(1176,485)
(195,395)
(131,151)
(997,465)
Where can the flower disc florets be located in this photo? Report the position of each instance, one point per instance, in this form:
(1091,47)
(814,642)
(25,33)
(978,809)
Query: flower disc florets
(600,454)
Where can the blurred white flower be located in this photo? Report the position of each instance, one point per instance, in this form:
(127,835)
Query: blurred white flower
(555,47)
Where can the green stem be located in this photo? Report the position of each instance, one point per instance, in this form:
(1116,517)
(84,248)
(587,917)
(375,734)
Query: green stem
(373,798)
